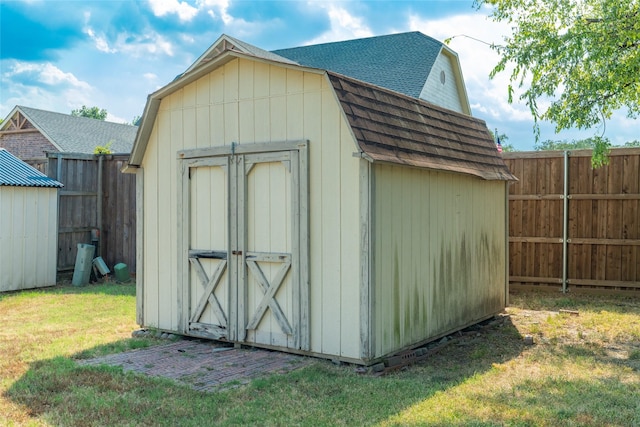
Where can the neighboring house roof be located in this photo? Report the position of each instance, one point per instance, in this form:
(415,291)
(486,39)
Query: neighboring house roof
(391,127)
(400,62)
(15,172)
(73,134)
(388,126)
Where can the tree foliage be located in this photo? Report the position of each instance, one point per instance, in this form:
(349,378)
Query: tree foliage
(103,149)
(578,144)
(576,61)
(90,112)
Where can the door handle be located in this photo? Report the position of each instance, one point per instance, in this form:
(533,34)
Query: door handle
(236,252)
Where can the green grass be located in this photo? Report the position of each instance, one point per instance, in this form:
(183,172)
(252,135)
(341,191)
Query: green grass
(583,371)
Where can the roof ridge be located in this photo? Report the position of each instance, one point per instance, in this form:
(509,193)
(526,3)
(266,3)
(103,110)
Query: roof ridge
(380,36)
(23,108)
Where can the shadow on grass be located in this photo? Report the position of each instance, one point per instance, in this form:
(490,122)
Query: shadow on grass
(63,393)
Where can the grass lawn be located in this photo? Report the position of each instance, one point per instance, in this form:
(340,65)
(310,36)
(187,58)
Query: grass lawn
(583,370)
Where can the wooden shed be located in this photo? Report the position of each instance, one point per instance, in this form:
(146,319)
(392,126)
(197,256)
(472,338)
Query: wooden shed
(295,208)
(28,225)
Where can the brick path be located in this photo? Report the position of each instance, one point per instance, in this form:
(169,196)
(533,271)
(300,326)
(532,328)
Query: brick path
(203,365)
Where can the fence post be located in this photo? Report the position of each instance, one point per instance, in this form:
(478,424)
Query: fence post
(565,220)
(99,203)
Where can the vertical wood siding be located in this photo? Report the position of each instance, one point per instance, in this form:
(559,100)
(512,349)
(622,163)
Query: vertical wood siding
(28,234)
(250,102)
(439,254)
(603,220)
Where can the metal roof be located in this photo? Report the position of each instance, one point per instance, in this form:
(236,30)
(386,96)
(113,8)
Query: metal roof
(400,62)
(14,172)
(73,134)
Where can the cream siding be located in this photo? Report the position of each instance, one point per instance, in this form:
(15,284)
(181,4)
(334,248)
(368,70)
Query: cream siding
(445,95)
(439,251)
(249,102)
(28,237)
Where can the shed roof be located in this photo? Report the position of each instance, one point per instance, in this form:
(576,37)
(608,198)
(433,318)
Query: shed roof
(226,42)
(73,134)
(395,128)
(15,172)
(388,126)
(400,62)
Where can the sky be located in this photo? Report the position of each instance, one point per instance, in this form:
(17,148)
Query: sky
(61,55)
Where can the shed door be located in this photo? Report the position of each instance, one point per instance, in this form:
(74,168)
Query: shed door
(209,294)
(247,249)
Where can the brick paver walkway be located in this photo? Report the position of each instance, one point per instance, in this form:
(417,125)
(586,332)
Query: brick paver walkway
(203,365)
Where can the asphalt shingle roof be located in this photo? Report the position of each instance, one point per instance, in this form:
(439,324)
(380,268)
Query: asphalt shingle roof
(391,127)
(80,134)
(400,62)
(15,172)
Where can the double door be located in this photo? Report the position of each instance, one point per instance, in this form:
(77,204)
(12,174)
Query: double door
(245,244)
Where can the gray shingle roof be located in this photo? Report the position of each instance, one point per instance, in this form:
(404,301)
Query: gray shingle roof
(15,172)
(80,134)
(391,127)
(400,62)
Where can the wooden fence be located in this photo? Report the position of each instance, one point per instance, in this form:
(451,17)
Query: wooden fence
(571,226)
(96,195)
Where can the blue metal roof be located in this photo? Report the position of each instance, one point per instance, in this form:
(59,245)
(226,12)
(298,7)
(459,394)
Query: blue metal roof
(400,62)
(15,172)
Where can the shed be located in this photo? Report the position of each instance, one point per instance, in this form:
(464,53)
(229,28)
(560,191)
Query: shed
(28,225)
(297,209)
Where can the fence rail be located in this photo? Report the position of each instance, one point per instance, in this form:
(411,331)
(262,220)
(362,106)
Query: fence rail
(572,226)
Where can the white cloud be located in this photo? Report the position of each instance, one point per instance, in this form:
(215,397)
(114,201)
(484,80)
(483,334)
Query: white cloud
(217,8)
(344,25)
(101,43)
(116,119)
(185,11)
(150,76)
(41,85)
(45,73)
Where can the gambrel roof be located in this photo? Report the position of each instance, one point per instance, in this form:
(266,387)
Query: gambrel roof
(16,173)
(394,128)
(388,126)
(72,134)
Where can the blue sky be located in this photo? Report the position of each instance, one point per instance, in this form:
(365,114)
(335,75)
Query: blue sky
(60,55)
